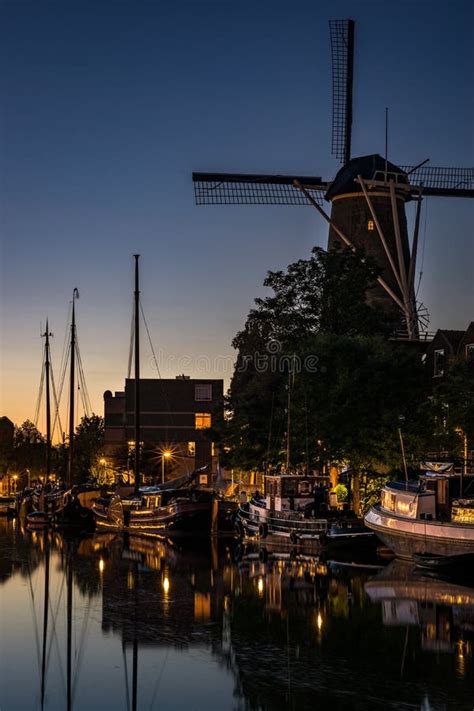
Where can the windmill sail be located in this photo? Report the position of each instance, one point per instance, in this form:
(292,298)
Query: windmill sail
(342,51)
(445,182)
(243,189)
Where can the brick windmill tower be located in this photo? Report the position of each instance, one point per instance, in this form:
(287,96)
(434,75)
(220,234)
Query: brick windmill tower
(367,196)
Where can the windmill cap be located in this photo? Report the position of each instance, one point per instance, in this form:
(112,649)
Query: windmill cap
(369,167)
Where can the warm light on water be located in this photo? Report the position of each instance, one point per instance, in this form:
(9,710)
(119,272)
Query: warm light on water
(209,627)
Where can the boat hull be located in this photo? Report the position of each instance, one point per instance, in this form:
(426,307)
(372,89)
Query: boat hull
(406,537)
(260,521)
(257,520)
(178,518)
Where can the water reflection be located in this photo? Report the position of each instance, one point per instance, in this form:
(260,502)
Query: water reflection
(442,610)
(138,623)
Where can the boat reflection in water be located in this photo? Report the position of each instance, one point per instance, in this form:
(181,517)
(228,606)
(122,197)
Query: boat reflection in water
(141,623)
(442,609)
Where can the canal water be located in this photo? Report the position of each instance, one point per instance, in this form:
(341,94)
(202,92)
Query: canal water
(108,622)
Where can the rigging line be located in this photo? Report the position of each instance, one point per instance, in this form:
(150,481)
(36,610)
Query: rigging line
(35,619)
(130,350)
(423,248)
(82,637)
(82,378)
(163,390)
(80,384)
(158,681)
(149,340)
(82,395)
(56,404)
(61,386)
(40,396)
(67,343)
(63,370)
(53,629)
(54,636)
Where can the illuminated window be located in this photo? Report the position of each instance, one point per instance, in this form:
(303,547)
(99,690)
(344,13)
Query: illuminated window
(203,392)
(370,225)
(202,420)
(213,449)
(438,369)
(191,449)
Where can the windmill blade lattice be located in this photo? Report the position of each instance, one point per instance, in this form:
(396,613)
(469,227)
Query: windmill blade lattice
(342,51)
(445,182)
(243,189)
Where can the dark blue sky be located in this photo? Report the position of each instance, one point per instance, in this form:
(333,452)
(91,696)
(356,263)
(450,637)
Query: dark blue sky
(107,108)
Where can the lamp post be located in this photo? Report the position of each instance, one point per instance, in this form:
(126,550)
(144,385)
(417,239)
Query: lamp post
(103,462)
(164,455)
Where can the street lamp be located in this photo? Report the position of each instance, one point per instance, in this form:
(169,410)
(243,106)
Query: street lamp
(103,462)
(166,454)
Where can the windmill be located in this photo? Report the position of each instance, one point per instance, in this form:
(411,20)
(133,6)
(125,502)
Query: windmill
(367,196)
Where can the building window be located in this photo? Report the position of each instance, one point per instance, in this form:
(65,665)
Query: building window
(469,350)
(370,225)
(203,392)
(202,420)
(213,449)
(438,369)
(191,449)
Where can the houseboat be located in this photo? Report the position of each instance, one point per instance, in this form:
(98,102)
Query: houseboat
(434,515)
(299,509)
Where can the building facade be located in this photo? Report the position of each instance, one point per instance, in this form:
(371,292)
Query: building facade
(176,417)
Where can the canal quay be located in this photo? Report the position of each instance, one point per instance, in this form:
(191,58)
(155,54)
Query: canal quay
(125,622)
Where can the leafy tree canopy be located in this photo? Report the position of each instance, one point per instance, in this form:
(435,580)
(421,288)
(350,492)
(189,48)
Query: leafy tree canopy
(349,385)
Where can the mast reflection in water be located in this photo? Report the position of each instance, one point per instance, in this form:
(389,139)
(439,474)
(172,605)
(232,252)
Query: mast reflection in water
(135,623)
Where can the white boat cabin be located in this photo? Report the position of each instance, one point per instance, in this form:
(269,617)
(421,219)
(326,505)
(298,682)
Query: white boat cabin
(440,497)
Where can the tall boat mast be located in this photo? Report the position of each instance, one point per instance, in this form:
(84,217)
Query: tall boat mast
(288,426)
(47,365)
(75,295)
(291,381)
(137,377)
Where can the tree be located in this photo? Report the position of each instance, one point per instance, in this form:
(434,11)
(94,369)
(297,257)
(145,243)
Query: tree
(29,449)
(453,405)
(88,446)
(317,340)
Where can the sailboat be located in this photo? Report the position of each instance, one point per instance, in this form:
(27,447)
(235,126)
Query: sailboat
(45,498)
(64,506)
(170,509)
